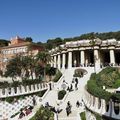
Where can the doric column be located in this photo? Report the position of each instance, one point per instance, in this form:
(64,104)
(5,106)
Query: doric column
(63,60)
(70,59)
(82,57)
(112,56)
(58,61)
(96,60)
(55,61)
(96,56)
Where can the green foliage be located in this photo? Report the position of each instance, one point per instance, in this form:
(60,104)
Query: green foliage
(82,115)
(57,76)
(28,39)
(97,81)
(3,42)
(43,114)
(51,71)
(79,72)
(15,84)
(9,99)
(30,81)
(41,93)
(117,83)
(61,94)
(4,84)
(52,43)
(108,77)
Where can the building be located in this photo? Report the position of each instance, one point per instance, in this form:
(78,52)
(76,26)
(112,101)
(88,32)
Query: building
(16,46)
(87,53)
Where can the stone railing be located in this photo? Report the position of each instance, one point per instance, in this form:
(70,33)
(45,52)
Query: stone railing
(109,109)
(22,90)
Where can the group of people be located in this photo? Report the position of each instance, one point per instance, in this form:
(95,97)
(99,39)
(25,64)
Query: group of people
(68,108)
(26,111)
(74,85)
(52,108)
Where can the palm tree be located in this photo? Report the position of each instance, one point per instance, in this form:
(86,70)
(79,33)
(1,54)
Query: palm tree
(50,71)
(43,59)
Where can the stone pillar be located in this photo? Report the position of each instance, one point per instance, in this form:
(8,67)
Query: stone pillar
(70,59)
(55,61)
(112,57)
(58,61)
(96,60)
(63,61)
(82,57)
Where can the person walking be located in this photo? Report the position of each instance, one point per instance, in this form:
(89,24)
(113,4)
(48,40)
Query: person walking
(77,104)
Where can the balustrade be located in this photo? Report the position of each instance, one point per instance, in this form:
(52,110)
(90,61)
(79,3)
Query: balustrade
(110,109)
(21,90)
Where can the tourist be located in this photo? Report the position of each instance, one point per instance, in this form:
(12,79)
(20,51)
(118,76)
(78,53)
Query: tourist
(68,89)
(34,101)
(50,86)
(77,104)
(67,111)
(71,87)
(76,86)
(22,114)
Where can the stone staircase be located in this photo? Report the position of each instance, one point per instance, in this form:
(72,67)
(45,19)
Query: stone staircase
(74,95)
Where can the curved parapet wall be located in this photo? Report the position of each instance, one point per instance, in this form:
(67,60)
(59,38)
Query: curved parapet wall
(23,90)
(101,107)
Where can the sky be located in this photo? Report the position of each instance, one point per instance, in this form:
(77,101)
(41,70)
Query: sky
(46,19)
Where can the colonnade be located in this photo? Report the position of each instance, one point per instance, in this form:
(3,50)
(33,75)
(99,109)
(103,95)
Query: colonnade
(66,59)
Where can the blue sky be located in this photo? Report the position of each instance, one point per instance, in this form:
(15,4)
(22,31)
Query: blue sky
(45,19)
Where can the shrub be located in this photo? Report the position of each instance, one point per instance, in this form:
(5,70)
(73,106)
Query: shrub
(82,115)
(41,93)
(95,84)
(43,114)
(9,99)
(4,84)
(61,94)
(15,84)
(57,76)
(79,72)
(30,81)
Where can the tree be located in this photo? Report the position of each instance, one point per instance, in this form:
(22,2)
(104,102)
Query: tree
(50,71)
(43,58)
(28,39)
(13,69)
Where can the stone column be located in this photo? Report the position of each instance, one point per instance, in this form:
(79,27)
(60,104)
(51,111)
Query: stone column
(58,61)
(82,57)
(112,57)
(70,59)
(96,60)
(63,61)
(55,61)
